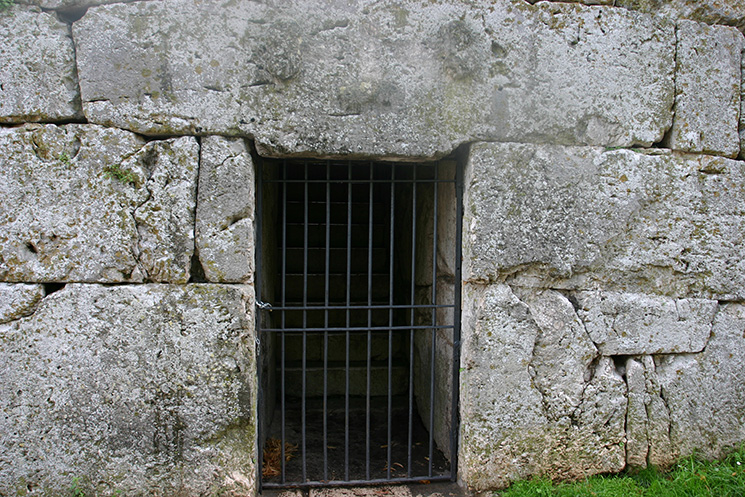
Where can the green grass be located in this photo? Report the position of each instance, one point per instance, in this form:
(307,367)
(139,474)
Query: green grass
(688,478)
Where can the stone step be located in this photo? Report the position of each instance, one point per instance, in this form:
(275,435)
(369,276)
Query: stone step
(336,379)
(337,344)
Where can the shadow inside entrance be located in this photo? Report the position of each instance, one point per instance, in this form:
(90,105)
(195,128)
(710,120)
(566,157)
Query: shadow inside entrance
(368,457)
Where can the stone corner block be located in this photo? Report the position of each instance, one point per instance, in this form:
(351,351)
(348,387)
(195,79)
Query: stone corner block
(137,389)
(37,67)
(707,80)
(83,203)
(522,418)
(225,211)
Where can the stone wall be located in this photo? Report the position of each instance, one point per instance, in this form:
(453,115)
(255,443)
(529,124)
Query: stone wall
(603,319)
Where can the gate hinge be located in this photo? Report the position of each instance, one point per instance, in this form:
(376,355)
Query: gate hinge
(264,306)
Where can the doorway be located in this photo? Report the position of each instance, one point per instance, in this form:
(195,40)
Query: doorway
(359,298)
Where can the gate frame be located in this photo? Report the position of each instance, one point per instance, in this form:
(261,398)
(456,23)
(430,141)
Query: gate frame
(261,305)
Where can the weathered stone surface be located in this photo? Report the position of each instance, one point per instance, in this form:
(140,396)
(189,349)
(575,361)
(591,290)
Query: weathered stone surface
(707,89)
(705,393)
(37,68)
(562,354)
(17,301)
(636,324)
(728,12)
(86,203)
(647,417)
(387,79)
(509,430)
(742,109)
(146,389)
(225,211)
(566,217)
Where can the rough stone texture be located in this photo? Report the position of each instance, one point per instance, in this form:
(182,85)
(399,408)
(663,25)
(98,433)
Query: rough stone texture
(742,109)
(562,355)
(86,203)
(38,81)
(388,79)
(577,218)
(647,417)
(707,89)
(148,390)
(17,301)
(225,211)
(705,393)
(510,428)
(729,12)
(635,324)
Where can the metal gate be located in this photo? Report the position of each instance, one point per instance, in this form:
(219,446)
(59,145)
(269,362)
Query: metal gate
(359,310)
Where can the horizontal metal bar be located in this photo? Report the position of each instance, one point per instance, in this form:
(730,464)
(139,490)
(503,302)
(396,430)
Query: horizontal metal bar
(363,307)
(358,483)
(361,181)
(361,328)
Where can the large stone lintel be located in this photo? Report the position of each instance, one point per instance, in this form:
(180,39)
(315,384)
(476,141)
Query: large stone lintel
(384,79)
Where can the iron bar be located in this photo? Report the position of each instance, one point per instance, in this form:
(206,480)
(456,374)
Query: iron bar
(363,328)
(371,201)
(391,237)
(283,462)
(357,483)
(305,322)
(411,323)
(326,325)
(348,288)
(433,333)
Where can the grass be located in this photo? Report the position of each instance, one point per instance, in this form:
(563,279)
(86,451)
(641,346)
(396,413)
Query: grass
(5,4)
(118,173)
(690,477)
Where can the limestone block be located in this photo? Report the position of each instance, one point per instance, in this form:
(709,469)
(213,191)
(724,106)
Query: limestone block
(389,79)
(647,417)
(576,217)
(728,12)
(87,203)
(707,89)
(17,301)
(141,390)
(507,432)
(225,210)
(37,68)
(705,392)
(562,355)
(635,324)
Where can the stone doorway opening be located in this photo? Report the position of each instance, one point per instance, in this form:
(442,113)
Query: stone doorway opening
(359,321)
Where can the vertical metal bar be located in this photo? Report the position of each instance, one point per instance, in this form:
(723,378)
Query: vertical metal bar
(258,274)
(305,316)
(389,460)
(346,354)
(455,418)
(369,320)
(282,334)
(326,324)
(433,333)
(411,319)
